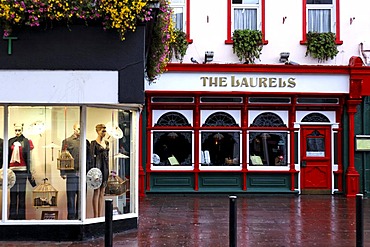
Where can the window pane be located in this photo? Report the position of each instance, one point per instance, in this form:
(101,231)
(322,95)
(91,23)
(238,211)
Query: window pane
(172,148)
(268,148)
(319,20)
(245,19)
(319,1)
(245,1)
(220,148)
(108,132)
(35,144)
(178,17)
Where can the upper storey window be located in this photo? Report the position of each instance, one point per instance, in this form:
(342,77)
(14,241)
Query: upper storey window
(181,16)
(245,14)
(178,14)
(321,16)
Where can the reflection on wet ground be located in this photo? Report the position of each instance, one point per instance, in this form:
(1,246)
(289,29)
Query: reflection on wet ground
(262,220)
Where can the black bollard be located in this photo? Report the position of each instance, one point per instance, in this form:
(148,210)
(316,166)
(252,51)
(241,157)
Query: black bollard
(108,223)
(359,221)
(232,221)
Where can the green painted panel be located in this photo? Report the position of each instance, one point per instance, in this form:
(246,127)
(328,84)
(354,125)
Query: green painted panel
(172,181)
(220,180)
(271,181)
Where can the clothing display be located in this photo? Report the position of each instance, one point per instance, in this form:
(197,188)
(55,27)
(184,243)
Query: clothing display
(72,145)
(100,158)
(19,162)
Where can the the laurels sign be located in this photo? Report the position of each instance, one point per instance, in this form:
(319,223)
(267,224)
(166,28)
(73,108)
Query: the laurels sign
(9,40)
(258,82)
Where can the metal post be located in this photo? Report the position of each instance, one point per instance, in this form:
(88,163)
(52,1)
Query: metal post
(232,221)
(108,223)
(359,221)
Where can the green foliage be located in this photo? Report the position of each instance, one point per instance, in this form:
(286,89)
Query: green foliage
(179,46)
(247,44)
(321,46)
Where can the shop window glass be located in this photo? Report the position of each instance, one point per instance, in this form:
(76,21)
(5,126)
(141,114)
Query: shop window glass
(220,119)
(268,119)
(35,145)
(268,148)
(315,144)
(1,154)
(172,148)
(220,148)
(172,119)
(109,133)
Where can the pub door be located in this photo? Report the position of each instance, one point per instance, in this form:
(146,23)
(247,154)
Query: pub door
(316,169)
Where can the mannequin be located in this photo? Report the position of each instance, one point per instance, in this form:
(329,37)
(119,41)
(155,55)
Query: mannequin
(100,159)
(19,162)
(72,145)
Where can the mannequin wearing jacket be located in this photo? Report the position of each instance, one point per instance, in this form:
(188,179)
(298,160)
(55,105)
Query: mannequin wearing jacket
(19,162)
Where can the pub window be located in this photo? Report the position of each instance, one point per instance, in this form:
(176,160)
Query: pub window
(172,147)
(172,99)
(221,99)
(269,100)
(268,147)
(220,147)
(316,117)
(317,100)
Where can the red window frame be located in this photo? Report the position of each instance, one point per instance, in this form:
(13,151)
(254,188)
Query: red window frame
(337,20)
(229,39)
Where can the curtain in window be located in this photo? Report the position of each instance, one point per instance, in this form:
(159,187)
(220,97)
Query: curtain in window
(319,20)
(245,19)
(177,18)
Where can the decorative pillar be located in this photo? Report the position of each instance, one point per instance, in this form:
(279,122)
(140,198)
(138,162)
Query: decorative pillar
(352,176)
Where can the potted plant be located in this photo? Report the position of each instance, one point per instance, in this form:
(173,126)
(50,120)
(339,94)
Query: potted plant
(247,45)
(321,46)
(179,45)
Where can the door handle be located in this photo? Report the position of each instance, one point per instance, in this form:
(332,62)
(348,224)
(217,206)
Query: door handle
(303,163)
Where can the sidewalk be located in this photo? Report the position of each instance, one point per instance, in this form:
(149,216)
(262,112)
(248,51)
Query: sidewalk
(263,220)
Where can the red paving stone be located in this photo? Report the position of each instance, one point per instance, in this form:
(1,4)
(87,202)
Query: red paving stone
(262,220)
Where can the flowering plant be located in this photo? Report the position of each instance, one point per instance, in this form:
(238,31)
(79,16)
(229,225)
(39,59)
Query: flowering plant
(118,14)
(162,37)
(122,15)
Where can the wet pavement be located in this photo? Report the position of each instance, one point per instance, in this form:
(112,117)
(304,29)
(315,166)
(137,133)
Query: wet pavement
(262,220)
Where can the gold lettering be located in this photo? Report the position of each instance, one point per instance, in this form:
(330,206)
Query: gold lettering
(263,81)
(244,82)
(291,82)
(282,82)
(213,82)
(204,79)
(251,83)
(222,81)
(234,83)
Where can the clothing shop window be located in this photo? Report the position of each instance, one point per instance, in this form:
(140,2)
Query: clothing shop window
(108,132)
(220,147)
(321,16)
(1,153)
(268,147)
(245,14)
(172,148)
(43,179)
(181,16)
